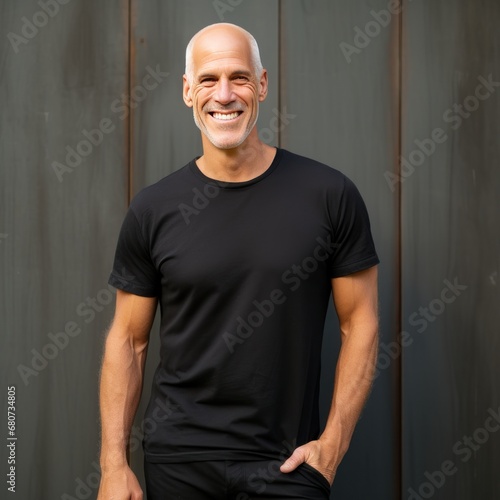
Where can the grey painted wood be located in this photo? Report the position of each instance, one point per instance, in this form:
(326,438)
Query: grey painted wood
(69,71)
(345,102)
(450,232)
(60,234)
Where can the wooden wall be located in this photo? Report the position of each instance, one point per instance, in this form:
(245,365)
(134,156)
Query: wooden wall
(369,88)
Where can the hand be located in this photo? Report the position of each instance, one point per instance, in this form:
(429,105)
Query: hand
(119,484)
(316,455)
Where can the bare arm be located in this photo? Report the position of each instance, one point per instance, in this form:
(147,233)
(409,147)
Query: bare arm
(120,392)
(355,298)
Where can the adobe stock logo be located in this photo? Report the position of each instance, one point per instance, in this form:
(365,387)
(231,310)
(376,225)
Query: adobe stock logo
(455,116)
(40,19)
(420,319)
(202,199)
(372,29)
(59,340)
(221,7)
(466,448)
(85,485)
(121,107)
(293,277)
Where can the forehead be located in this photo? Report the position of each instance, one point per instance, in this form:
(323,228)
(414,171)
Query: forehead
(221,50)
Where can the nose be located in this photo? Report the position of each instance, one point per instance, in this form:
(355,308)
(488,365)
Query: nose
(224,93)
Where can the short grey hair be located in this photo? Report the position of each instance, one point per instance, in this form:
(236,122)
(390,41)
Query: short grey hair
(254,51)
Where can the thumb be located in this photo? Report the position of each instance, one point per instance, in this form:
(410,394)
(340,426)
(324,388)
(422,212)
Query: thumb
(294,460)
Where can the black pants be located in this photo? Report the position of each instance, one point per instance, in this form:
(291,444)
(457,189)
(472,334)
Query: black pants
(228,480)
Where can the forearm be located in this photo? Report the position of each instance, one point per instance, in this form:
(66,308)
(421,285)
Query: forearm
(120,391)
(353,381)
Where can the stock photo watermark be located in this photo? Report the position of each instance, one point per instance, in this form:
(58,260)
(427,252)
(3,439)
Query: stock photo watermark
(263,476)
(419,319)
(201,199)
(162,411)
(88,309)
(493,277)
(464,449)
(85,487)
(121,107)
(277,123)
(88,484)
(11,438)
(455,117)
(363,37)
(292,277)
(31,27)
(221,7)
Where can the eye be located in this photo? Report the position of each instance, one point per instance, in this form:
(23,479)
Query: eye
(208,80)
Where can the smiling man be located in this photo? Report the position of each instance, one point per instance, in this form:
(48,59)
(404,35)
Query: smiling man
(243,287)
(224,84)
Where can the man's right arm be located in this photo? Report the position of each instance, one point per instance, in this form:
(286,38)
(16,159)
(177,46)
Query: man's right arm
(120,392)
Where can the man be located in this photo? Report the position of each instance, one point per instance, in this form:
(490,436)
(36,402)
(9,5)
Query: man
(243,280)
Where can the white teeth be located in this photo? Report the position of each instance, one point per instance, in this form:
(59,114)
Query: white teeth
(223,116)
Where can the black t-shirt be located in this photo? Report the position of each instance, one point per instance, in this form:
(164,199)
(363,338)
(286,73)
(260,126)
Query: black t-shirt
(243,275)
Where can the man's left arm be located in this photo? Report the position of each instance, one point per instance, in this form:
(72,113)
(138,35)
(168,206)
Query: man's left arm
(355,298)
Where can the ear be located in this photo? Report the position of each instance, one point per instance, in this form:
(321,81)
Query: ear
(263,86)
(186,91)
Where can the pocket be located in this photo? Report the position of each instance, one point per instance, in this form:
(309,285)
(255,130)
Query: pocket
(315,474)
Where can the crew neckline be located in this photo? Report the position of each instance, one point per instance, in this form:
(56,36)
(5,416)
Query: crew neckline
(236,185)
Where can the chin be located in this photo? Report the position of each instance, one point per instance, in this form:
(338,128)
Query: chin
(226,143)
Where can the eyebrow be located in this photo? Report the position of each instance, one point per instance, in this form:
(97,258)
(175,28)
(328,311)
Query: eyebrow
(242,72)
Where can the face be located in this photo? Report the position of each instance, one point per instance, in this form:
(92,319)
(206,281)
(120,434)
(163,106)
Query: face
(225,92)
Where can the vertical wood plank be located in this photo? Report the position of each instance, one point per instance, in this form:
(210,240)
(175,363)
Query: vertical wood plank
(60,229)
(345,99)
(451,248)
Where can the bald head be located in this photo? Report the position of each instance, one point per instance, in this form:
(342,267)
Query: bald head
(227,34)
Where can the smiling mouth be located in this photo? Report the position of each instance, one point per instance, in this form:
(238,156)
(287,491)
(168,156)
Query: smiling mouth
(225,116)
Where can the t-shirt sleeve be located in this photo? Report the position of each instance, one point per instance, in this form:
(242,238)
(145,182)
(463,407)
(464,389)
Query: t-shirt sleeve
(353,241)
(133,269)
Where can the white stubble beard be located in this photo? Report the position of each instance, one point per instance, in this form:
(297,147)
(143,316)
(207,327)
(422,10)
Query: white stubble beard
(204,130)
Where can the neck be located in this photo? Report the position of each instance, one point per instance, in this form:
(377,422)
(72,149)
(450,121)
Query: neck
(240,164)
